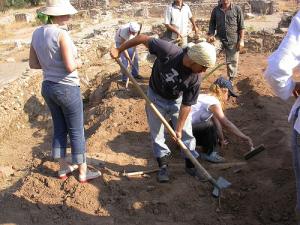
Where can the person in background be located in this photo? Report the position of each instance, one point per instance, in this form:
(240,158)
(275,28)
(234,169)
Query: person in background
(173,87)
(227,25)
(208,120)
(279,74)
(129,56)
(177,17)
(53,51)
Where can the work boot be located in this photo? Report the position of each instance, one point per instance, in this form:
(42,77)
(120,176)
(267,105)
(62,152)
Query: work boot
(191,170)
(163,175)
(162,161)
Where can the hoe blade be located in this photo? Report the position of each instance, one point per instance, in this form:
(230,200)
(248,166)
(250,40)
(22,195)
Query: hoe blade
(222,183)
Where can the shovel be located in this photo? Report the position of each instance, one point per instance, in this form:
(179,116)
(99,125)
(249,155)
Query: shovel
(218,184)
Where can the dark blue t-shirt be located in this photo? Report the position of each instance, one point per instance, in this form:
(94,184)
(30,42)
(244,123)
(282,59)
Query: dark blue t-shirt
(169,77)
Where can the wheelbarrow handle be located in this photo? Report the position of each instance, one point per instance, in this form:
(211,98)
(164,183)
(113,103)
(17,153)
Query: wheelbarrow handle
(186,151)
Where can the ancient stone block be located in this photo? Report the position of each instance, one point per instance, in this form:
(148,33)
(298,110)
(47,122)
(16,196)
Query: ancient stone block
(95,13)
(265,7)
(143,12)
(82,14)
(23,17)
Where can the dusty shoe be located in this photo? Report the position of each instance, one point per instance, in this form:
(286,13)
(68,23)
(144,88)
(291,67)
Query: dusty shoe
(213,157)
(63,174)
(90,175)
(194,173)
(163,175)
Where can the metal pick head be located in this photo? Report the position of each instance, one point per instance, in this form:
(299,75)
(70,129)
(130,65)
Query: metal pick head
(222,183)
(216,192)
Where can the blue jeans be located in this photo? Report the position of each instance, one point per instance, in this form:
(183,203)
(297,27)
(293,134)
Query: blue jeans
(169,109)
(296,159)
(135,68)
(66,107)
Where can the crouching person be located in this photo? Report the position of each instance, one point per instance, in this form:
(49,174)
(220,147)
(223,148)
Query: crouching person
(208,120)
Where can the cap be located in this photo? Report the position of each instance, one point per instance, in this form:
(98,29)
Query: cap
(224,83)
(134,27)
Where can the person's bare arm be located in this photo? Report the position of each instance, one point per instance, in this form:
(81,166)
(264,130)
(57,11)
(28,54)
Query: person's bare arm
(69,60)
(140,39)
(212,27)
(219,128)
(219,114)
(242,34)
(241,44)
(183,114)
(222,141)
(173,29)
(33,59)
(195,28)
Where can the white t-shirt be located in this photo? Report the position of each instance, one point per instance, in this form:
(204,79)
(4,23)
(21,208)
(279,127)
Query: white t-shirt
(123,32)
(200,111)
(178,18)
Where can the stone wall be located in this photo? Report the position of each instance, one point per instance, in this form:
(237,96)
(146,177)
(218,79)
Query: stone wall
(20,101)
(266,7)
(200,9)
(90,4)
(259,41)
(262,41)
(24,17)
(204,8)
(147,9)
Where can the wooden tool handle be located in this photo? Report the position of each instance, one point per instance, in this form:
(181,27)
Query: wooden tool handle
(138,173)
(186,151)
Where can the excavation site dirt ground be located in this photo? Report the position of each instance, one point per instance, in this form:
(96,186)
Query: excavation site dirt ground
(262,191)
(118,140)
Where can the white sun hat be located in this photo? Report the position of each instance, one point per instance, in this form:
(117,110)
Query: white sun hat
(134,27)
(58,8)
